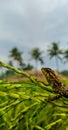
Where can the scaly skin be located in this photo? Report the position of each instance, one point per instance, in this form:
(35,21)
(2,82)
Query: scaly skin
(54,81)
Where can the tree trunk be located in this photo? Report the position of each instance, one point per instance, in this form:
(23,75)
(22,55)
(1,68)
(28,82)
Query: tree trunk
(57,65)
(36,67)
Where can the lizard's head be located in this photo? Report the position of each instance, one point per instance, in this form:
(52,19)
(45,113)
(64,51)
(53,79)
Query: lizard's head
(50,75)
(48,72)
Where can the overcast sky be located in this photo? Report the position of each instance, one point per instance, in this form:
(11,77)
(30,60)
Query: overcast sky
(33,23)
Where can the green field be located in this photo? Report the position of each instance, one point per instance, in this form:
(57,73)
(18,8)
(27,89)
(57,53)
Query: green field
(27,105)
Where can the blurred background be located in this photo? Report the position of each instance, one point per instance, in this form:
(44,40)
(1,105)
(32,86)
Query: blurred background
(34,34)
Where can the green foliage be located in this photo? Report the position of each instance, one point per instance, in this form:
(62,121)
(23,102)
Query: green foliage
(28,67)
(23,106)
(65,72)
(28,106)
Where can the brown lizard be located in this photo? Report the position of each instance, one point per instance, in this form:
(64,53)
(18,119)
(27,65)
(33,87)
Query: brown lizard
(54,81)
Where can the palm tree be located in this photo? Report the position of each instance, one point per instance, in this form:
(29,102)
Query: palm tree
(36,55)
(66,55)
(54,51)
(16,55)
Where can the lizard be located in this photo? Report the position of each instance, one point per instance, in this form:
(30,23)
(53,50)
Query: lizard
(55,82)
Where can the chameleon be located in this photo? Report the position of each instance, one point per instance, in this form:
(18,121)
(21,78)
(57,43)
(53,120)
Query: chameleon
(54,81)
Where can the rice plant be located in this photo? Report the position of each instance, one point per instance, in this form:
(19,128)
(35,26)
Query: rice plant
(28,105)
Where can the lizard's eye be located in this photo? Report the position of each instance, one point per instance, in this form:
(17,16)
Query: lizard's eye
(48,69)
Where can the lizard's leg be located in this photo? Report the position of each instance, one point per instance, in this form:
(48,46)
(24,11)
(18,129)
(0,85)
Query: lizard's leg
(43,83)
